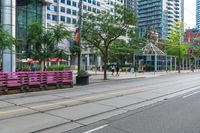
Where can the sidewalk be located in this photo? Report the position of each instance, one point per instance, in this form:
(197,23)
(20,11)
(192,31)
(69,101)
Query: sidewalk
(97,77)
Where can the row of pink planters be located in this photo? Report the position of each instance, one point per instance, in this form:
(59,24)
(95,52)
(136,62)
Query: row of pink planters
(26,80)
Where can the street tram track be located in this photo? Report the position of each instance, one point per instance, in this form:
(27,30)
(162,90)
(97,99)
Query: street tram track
(90,101)
(77,120)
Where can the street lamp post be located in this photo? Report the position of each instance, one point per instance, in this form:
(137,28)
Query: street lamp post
(79,32)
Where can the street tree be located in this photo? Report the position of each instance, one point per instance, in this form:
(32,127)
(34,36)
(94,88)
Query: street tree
(6,42)
(101,30)
(174,44)
(43,42)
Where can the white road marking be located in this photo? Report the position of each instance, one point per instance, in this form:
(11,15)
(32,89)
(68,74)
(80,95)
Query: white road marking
(191,94)
(95,129)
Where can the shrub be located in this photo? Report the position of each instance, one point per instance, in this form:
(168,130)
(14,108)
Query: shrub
(60,67)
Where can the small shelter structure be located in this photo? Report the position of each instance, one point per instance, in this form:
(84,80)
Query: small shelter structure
(154,59)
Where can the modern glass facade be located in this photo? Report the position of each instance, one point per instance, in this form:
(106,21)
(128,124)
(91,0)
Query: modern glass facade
(158,14)
(198,14)
(27,11)
(130,4)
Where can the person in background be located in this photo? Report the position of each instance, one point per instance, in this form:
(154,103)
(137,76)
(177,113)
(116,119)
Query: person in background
(117,70)
(132,69)
(113,70)
(33,69)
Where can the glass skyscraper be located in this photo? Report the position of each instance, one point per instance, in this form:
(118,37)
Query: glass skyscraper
(159,15)
(198,14)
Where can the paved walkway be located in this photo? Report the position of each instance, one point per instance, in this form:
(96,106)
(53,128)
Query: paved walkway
(62,110)
(97,77)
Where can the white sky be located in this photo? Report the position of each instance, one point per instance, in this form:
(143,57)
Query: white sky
(190,13)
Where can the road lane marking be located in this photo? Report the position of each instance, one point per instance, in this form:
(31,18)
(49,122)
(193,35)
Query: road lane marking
(191,94)
(73,101)
(95,129)
(12,111)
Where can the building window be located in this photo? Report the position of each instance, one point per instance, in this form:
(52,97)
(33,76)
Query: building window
(73,21)
(62,9)
(84,7)
(94,2)
(74,12)
(48,7)
(98,3)
(69,20)
(89,1)
(62,1)
(55,1)
(94,10)
(89,8)
(74,4)
(69,2)
(48,16)
(54,17)
(69,11)
(55,8)
(62,18)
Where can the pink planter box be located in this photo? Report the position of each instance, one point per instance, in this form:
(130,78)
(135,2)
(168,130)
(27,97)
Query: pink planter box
(18,79)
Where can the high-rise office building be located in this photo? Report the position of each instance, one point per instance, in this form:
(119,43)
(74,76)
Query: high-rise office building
(15,15)
(198,14)
(159,14)
(66,12)
(130,4)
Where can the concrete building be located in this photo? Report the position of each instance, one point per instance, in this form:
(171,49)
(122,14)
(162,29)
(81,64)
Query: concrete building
(159,14)
(130,4)
(190,36)
(15,16)
(66,12)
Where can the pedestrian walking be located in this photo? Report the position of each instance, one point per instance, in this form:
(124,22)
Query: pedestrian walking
(192,67)
(132,69)
(117,70)
(33,69)
(113,70)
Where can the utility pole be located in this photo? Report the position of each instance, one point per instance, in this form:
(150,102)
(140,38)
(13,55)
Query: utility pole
(179,53)
(79,33)
(179,56)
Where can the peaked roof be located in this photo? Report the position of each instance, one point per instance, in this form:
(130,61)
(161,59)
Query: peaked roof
(151,49)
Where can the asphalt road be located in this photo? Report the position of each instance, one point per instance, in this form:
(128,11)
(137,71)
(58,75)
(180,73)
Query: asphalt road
(177,115)
(116,106)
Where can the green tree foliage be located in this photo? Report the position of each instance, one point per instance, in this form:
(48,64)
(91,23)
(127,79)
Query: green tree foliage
(101,30)
(174,45)
(43,42)
(6,42)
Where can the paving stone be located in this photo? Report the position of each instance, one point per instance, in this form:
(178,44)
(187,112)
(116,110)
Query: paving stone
(81,111)
(63,128)
(101,116)
(145,95)
(14,111)
(73,94)
(118,102)
(29,123)
(33,99)
(5,104)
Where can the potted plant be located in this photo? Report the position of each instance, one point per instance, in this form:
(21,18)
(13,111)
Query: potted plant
(82,78)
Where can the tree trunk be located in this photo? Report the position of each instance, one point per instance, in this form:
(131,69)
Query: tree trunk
(105,68)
